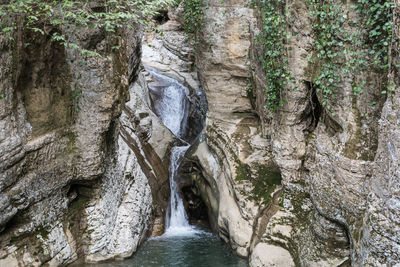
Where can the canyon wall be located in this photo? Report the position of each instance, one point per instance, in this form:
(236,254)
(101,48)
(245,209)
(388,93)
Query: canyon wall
(84,159)
(328,184)
(82,174)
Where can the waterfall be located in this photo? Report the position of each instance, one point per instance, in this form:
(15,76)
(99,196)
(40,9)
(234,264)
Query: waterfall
(171,103)
(177,216)
(172,107)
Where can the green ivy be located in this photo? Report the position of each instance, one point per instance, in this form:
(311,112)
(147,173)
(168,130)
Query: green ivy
(328,48)
(273,39)
(338,56)
(341,55)
(43,16)
(377,18)
(194,19)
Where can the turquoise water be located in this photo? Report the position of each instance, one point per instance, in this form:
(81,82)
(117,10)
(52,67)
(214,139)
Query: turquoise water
(196,249)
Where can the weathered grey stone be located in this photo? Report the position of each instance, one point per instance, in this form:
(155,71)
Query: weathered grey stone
(92,182)
(233,134)
(325,167)
(73,180)
(269,256)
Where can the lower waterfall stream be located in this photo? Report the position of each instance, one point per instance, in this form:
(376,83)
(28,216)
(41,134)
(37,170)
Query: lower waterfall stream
(182,244)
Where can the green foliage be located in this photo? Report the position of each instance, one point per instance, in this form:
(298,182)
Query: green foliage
(338,56)
(273,39)
(328,47)
(176,3)
(194,17)
(263,179)
(45,16)
(342,55)
(376,16)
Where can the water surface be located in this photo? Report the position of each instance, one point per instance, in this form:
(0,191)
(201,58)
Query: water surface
(190,249)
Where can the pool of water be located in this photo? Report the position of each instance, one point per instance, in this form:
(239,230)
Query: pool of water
(195,248)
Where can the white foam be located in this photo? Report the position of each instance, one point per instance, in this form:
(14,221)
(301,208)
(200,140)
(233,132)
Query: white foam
(177,217)
(181,231)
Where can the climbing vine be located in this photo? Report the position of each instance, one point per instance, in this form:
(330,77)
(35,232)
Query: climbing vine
(273,39)
(44,16)
(341,54)
(194,19)
(329,48)
(377,18)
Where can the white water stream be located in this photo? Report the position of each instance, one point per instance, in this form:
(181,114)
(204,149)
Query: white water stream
(172,105)
(172,108)
(176,221)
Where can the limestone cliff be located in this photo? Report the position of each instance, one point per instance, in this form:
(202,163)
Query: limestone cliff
(322,176)
(82,175)
(84,158)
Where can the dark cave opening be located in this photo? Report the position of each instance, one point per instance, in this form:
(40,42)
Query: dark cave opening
(195,207)
(199,196)
(161,17)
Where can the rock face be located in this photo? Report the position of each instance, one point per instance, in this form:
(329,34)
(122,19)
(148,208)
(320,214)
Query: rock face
(173,55)
(233,148)
(268,255)
(379,240)
(121,212)
(328,186)
(83,158)
(82,175)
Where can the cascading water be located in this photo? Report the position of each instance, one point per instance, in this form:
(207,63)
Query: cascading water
(172,105)
(176,220)
(172,108)
(181,244)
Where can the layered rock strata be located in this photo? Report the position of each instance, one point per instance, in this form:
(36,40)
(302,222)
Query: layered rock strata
(334,169)
(77,178)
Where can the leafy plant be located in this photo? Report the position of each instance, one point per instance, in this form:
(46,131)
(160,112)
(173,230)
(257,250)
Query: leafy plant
(342,55)
(194,19)
(339,56)
(376,16)
(43,16)
(329,48)
(273,38)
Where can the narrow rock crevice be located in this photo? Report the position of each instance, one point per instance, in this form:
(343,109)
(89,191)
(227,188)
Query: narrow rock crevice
(314,112)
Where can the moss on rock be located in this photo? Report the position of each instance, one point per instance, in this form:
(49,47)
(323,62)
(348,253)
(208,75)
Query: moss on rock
(264,180)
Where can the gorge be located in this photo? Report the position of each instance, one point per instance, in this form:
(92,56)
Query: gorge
(221,133)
